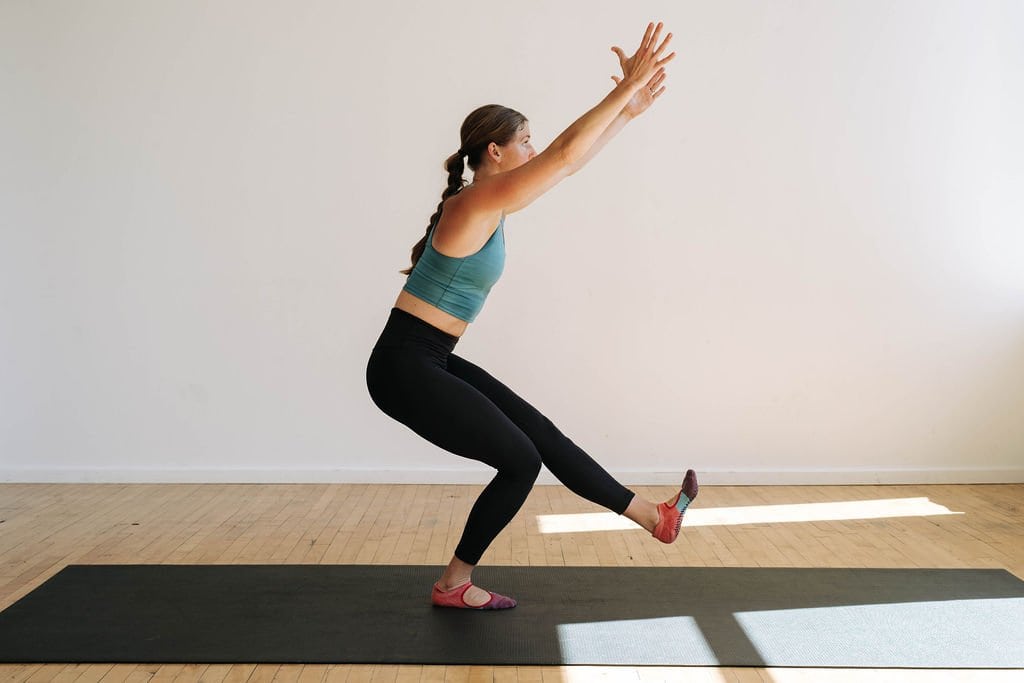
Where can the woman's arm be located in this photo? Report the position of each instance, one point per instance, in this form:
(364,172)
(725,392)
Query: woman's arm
(575,141)
(641,74)
(642,99)
(513,190)
(611,131)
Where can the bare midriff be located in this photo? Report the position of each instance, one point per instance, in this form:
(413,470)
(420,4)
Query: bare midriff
(442,320)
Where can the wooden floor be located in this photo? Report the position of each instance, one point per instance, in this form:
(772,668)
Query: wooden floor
(44,527)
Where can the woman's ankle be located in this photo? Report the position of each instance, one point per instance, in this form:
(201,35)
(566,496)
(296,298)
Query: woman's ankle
(446,583)
(456,574)
(643,512)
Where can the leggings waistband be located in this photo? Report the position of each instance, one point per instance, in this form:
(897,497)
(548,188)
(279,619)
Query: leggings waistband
(403,327)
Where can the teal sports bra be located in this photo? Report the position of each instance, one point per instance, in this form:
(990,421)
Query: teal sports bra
(460,285)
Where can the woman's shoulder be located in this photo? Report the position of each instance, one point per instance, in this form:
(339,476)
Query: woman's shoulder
(463,228)
(468,203)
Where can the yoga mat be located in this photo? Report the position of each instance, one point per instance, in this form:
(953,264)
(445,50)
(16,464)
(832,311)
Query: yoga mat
(675,616)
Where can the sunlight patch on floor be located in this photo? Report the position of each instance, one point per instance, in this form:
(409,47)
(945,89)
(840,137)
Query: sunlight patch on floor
(914,634)
(634,640)
(754,514)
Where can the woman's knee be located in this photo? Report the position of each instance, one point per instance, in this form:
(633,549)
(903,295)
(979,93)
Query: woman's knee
(523,465)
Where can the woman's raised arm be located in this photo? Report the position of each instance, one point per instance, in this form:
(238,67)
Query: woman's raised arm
(519,187)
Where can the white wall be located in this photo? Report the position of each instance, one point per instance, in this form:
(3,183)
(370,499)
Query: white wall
(804,264)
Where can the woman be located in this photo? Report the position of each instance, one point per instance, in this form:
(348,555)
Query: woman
(414,377)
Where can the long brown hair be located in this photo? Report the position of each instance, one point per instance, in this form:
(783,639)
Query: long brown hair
(484,125)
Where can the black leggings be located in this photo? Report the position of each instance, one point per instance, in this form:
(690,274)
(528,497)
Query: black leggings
(414,377)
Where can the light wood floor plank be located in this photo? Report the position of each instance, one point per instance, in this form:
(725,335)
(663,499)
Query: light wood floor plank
(45,527)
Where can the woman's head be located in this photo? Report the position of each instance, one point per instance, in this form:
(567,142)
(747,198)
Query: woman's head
(493,135)
(493,139)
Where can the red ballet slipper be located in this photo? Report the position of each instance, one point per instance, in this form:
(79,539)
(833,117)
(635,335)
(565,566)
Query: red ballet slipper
(670,515)
(456,598)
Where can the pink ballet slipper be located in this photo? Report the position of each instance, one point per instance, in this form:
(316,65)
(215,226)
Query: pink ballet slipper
(670,515)
(456,598)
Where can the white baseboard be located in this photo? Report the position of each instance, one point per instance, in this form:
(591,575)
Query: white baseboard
(482,476)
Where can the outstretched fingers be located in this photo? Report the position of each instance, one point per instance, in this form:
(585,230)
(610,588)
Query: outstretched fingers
(655,82)
(645,44)
(647,49)
(664,44)
(645,63)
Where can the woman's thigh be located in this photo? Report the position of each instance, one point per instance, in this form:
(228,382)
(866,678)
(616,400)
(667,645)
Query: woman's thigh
(567,461)
(517,409)
(447,411)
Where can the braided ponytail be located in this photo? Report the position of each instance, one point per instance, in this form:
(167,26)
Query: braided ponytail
(486,124)
(456,183)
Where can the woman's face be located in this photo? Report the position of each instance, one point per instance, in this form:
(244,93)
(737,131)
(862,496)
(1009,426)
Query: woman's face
(518,151)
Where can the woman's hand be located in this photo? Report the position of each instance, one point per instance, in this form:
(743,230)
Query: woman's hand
(644,97)
(644,67)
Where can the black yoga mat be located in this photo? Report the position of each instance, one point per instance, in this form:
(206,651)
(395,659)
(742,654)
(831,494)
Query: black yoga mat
(707,616)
